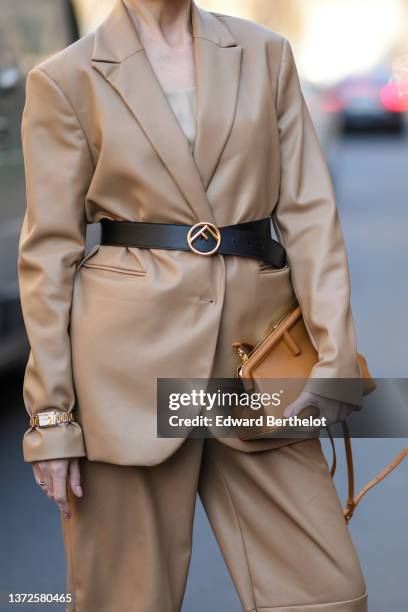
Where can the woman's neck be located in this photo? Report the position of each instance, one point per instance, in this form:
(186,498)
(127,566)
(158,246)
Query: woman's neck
(162,19)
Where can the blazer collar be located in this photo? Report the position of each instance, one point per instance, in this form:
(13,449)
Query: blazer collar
(119,56)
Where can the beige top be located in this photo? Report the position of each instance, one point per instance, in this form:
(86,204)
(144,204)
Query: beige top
(184,105)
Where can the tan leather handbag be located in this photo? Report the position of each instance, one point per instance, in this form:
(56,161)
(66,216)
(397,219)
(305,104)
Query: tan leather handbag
(287,355)
(283,358)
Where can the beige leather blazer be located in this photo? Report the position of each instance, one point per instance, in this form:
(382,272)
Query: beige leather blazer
(101,140)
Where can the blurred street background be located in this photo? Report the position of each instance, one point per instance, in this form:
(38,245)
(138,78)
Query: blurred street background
(352,56)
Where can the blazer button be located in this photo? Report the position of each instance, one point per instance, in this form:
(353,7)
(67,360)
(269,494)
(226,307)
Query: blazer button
(206,300)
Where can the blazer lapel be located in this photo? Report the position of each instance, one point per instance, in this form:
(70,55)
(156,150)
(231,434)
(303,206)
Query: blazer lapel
(120,58)
(218,66)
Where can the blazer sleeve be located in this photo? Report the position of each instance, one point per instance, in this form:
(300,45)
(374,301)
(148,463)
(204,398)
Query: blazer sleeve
(58,170)
(306,218)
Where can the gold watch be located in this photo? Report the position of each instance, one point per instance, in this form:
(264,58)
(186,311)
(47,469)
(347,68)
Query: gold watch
(51,418)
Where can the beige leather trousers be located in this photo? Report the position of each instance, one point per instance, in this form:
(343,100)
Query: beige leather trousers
(276,515)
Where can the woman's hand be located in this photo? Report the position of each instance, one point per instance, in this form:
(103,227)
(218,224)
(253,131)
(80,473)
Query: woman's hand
(333,410)
(52,476)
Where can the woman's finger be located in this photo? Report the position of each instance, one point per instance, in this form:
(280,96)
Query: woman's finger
(38,475)
(60,493)
(300,403)
(74,476)
(43,478)
(294,407)
(48,487)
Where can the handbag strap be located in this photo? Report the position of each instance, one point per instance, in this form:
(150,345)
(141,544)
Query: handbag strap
(352,500)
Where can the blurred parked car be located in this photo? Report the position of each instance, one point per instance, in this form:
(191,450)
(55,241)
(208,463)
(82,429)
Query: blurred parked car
(368,102)
(29,32)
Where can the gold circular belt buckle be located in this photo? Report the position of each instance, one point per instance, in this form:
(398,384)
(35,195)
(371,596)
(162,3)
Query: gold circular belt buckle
(203,230)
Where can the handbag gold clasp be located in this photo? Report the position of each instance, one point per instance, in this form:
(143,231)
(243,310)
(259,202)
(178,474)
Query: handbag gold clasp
(243,350)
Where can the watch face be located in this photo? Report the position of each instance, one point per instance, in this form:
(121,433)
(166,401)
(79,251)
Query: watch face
(46,419)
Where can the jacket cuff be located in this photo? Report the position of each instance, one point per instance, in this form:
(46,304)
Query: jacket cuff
(349,390)
(62,441)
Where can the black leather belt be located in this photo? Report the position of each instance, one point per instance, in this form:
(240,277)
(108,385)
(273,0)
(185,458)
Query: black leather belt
(250,239)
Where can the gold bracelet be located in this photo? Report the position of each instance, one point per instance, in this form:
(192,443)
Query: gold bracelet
(51,418)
